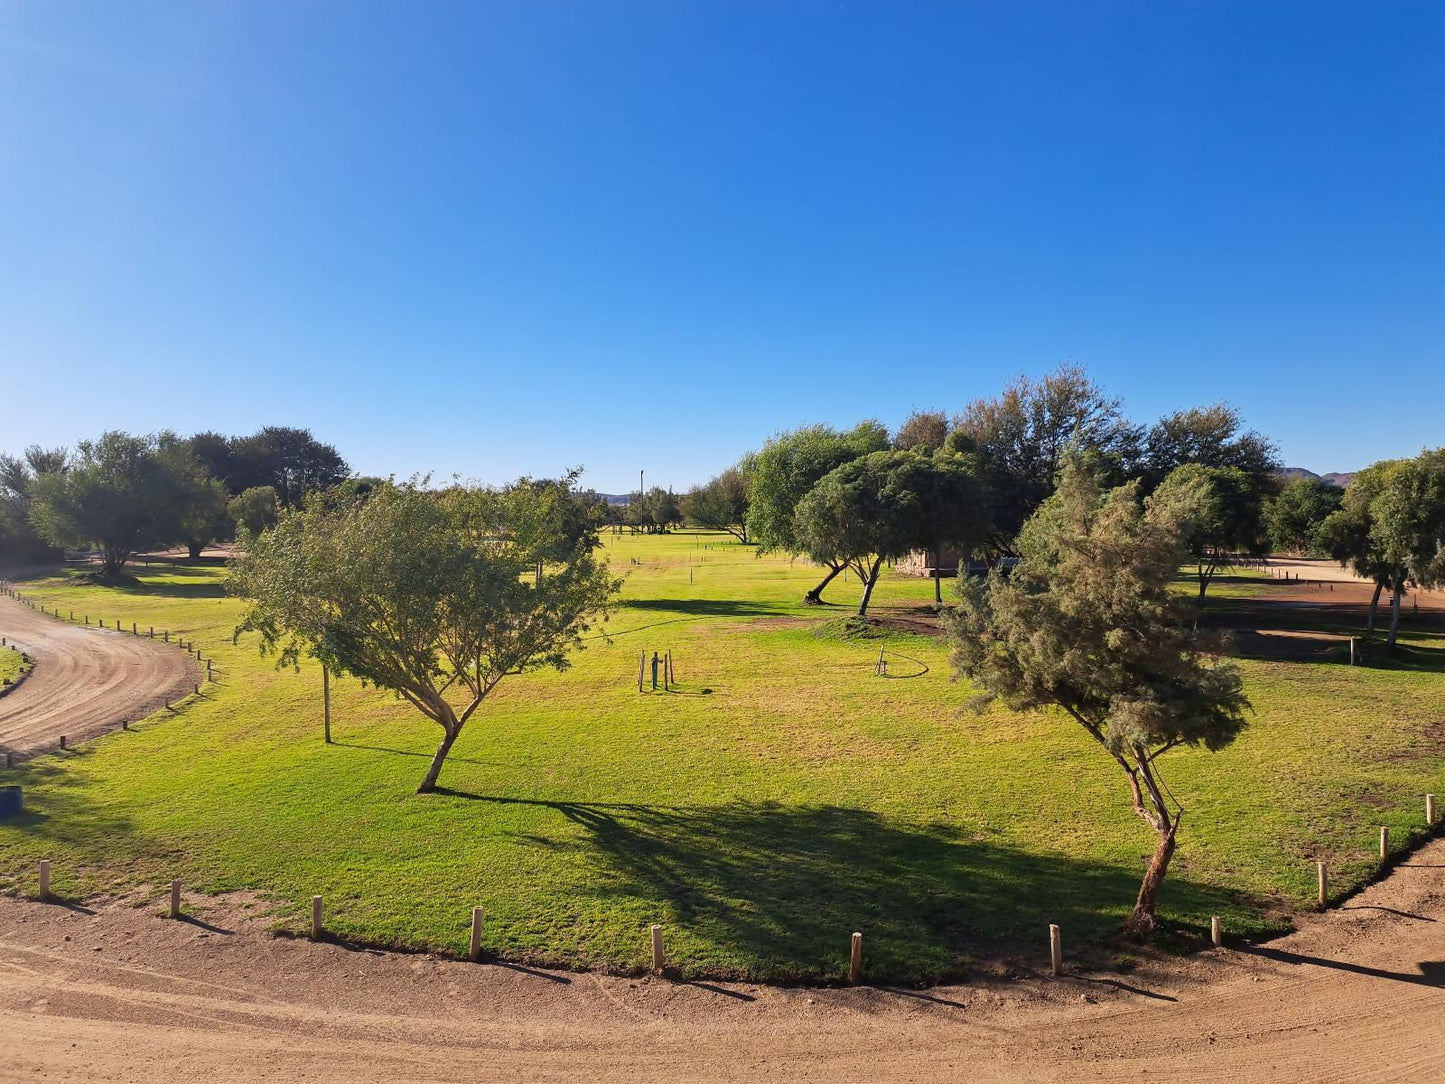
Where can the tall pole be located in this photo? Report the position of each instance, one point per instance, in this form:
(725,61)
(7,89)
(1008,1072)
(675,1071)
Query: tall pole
(326,700)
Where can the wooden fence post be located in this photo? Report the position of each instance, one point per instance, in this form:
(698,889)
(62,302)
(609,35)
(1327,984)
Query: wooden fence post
(1216,934)
(316,918)
(175,899)
(475,952)
(44,879)
(1429,810)
(855,959)
(1384,842)
(1323,884)
(326,701)
(657,957)
(1056,950)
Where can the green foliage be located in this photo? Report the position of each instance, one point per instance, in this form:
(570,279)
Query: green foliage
(1296,516)
(923,431)
(1228,519)
(1211,436)
(886,505)
(720,504)
(255,509)
(125,493)
(1087,623)
(1022,436)
(290,461)
(429,595)
(19,540)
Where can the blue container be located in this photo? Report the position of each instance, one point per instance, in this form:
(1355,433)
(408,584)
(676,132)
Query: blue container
(11,802)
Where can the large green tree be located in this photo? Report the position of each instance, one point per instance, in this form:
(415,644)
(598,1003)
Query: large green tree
(886,505)
(121,492)
(1295,516)
(19,539)
(1212,436)
(786,469)
(1087,623)
(1229,522)
(1350,537)
(1408,527)
(432,595)
(291,461)
(720,504)
(1022,436)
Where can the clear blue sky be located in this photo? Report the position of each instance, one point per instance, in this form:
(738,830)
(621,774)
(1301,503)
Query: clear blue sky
(502,238)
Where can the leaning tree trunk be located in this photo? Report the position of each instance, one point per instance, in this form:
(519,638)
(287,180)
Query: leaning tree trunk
(868,583)
(1399,589)
(429,784)
(815,596)
(1141,923)
(1374,605)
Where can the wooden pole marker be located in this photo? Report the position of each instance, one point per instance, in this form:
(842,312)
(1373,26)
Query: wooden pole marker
(1323,884)
(855,959)
(44,879)
(1216,934)
(658,960)
(1429,809)
(316,918)
(1056,950)
(1384,842)
(175,899)
(475,952)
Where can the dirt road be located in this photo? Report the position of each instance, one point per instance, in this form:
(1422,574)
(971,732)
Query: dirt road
(86,680)
(121,994)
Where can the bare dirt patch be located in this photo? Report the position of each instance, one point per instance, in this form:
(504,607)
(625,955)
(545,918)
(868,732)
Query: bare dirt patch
(86,680)
(112,991)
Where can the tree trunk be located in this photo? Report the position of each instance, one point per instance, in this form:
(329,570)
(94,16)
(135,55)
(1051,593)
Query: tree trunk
(112,560)
(1374,605)
(815,596)
(1140,923)
(429,784)
(868,587)
(937,581)
(1394,615)
(193,550)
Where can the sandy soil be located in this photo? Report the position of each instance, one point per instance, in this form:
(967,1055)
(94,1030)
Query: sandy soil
(86,680)
(114,992)
(1329,572)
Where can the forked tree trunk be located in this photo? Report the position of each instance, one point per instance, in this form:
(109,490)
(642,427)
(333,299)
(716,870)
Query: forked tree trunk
(1140,923)
(815,596)
(1374,605)
(430,782)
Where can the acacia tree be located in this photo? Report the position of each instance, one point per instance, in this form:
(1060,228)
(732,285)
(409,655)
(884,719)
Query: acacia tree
(428,594)
(1212,436)
(1022,436)
(1229,519)
(1349,536)
(720,504)
(1087,623)
(18,537)
(885,505)
(121,491)
(1408,527)
(256,509)
(781,475)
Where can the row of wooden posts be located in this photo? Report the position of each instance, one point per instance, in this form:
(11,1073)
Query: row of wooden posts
(187,646)
(855,947)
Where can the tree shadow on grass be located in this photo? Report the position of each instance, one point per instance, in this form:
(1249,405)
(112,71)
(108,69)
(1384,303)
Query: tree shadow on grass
(705,607)
(781,888)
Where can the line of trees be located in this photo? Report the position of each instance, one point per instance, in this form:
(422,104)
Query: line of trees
(124,494)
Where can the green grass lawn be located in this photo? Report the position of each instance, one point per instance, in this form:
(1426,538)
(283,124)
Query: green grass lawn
(12,665)
(801,799)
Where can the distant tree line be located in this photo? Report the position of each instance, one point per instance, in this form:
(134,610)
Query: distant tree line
(124,494)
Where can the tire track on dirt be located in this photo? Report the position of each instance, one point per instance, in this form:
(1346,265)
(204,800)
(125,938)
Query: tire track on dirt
(86,680)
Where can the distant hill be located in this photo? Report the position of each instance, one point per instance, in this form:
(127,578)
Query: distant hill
(1334,478)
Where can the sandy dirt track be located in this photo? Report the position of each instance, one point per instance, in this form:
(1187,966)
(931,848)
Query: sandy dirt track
(86,680)
(118,993)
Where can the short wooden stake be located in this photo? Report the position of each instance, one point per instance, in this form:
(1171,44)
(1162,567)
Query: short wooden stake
(1429,809)
(1324,892)
(316,918)
(1216,934)
(1384,842)
(125,724)
(211,676)
(1056,950)
(175,899)
(62,741)
(198,690)
(855,959)
(475,952)
(166,635)
(657,957)
(44,879)
(1352,651)
(132,629)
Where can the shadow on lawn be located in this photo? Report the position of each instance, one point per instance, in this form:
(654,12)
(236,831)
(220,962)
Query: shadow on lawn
(786,885)
(705,607)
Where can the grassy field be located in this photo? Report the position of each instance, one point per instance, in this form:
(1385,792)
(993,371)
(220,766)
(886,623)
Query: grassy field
(782,797)
(12,664)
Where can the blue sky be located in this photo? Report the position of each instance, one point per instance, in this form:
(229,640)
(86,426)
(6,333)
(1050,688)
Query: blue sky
(502,238)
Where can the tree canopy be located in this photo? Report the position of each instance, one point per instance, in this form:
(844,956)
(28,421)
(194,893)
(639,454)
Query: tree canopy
(1228,520)
(787,468)
(1212,436)
(1295,516)
(1087,623)
(432,595)
(885,505)
(720,504)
